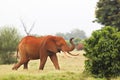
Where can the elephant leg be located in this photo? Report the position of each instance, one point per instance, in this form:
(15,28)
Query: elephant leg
(16,66)
(26,65)
(42,62)
(54,59)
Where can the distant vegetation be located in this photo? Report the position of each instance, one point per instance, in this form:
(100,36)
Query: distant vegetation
(79,36)
(76,33)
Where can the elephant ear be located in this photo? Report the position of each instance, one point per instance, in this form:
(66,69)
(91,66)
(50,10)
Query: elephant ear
(50,45)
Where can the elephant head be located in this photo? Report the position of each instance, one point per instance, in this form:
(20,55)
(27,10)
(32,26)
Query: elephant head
(56,44)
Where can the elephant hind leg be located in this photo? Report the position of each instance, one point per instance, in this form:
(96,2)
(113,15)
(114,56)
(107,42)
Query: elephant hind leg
(54,59)
(16,66)
(22,61)
(26,64)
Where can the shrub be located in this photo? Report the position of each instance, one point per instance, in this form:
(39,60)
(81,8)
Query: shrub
(80,46)
(103,53)
(9,38)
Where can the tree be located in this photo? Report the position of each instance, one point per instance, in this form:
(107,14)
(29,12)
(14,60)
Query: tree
(108,13)
(103,53)
(9,38)
(76,33)
(80,46)
(60,34)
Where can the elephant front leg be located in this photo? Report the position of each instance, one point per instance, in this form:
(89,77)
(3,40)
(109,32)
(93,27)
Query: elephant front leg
(42,62)
(54,59)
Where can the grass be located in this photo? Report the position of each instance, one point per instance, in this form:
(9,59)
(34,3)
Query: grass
(71,69)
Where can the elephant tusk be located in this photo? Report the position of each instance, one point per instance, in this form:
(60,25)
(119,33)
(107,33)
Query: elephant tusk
(67,55)
(72,54)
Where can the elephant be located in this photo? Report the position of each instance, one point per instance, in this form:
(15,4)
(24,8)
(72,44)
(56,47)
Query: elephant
(32,48)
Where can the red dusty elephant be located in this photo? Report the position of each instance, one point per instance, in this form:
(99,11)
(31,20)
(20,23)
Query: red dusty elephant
(32,48)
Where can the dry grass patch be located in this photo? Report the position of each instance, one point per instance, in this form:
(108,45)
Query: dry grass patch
(71,69)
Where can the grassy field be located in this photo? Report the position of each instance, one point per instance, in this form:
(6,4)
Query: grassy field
(71,69)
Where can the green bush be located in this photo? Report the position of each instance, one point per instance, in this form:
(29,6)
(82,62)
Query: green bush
(103,53)
(7,58)
(9,38)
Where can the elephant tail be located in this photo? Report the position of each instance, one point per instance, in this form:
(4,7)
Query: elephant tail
(17,53)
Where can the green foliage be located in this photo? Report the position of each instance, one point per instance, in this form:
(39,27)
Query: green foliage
(103,53)
(9,38)
(108,13)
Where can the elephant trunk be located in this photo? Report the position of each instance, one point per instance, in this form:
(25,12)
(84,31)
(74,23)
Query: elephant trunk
(72,47)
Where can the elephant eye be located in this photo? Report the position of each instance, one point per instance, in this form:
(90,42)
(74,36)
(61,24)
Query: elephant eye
(59,44)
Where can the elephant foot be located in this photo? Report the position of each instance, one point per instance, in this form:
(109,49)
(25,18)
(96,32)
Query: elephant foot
(14,68)
(41,69)
(25,68)
(58,68)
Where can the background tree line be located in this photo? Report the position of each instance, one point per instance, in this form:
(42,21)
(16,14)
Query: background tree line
(76,33)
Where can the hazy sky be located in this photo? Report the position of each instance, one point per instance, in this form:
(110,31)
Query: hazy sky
(50,16)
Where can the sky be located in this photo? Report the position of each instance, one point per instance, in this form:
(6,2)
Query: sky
(49,16)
